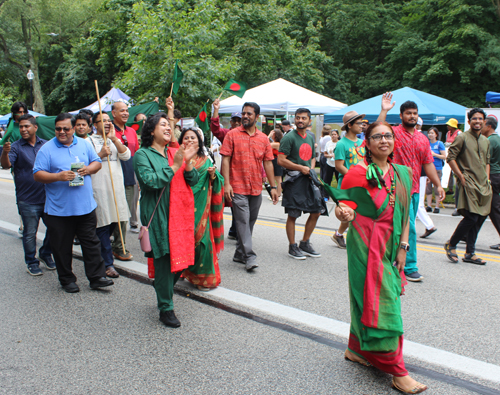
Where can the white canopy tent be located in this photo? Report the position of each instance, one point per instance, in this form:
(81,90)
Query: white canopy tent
(280,97)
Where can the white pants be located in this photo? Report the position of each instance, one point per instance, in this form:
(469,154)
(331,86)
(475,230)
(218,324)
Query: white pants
(421,213)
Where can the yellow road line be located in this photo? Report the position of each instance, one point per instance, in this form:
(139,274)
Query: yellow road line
(420,247)
(10,181)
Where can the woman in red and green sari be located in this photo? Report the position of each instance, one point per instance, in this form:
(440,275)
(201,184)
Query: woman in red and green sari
(208,217)
(377,243)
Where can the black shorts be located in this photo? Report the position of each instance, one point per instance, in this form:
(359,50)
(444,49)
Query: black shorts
(278,170)
(296,213)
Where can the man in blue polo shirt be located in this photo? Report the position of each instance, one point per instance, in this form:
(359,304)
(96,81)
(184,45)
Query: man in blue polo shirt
(30,195)
(64,164)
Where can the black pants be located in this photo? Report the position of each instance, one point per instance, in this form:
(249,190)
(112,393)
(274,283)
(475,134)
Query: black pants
(495,202)
(62,231)
(469,226)
(326,174)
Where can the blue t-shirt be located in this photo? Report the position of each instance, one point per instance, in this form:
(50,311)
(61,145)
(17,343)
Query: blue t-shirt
(22,158)
(437,147)
(61,199)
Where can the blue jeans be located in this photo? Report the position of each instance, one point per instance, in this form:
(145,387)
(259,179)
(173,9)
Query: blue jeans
(411,256)
(104,233)
(31,214)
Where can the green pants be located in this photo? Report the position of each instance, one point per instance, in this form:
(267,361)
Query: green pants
(164,283)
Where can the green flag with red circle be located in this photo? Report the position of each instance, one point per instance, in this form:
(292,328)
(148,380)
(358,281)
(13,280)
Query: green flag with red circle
(202,119)
(236,88)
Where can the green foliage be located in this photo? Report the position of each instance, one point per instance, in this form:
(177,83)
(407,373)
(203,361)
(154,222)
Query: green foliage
(6,100)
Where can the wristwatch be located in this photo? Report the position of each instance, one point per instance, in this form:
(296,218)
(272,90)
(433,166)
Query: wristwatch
(274,187)
(405,246)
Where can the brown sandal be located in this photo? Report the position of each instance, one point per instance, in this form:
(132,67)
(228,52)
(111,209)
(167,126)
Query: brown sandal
(361,361)
(415,390)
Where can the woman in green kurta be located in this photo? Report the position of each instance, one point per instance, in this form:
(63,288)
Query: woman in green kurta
(151,165)
(209,229)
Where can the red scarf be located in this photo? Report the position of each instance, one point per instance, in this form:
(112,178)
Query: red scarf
(181,222)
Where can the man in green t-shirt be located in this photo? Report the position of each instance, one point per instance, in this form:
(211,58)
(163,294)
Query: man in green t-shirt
(488,131)
(348,152)
(298,156)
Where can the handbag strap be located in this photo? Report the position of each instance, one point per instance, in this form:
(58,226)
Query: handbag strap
(154,211)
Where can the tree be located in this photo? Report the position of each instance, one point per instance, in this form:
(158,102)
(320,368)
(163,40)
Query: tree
(30,26)
(169,31)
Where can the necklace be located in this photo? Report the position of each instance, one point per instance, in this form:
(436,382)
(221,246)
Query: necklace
(392,189)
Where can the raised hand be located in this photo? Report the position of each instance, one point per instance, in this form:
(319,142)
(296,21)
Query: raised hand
(111,134)
(6,147)
(386,101)
(179,157)
(189,153)
(169,102)
(216,104)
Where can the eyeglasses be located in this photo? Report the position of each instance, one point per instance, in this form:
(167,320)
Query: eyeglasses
(379,137)
(66,130)
(358,123)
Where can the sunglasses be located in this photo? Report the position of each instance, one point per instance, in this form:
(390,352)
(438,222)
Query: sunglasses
(59,129)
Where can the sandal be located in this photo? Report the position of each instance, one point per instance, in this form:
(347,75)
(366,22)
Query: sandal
(452,256)
(361,361)
(470,258)
(415,390)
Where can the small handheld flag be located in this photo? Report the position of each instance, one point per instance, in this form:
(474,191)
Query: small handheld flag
(202,119)
(176,82)
(236,88)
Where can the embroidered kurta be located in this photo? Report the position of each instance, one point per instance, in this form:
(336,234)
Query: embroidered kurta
(101,184)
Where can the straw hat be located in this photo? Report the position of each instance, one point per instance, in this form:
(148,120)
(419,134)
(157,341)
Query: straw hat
(453,123)
(349,117)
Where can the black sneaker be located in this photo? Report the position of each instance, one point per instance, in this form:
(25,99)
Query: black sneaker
(232,236)
(295,253)
(249,266)
(428,209)
(414,277)
(48,262)
(436,211)
(339,240)
(34,269)
(101,283)
(455,213)
(169,319)
(307,249)
(238,259)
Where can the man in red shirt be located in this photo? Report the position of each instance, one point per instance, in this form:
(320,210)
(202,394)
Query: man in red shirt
(412,149)
(128,137)
(244,150)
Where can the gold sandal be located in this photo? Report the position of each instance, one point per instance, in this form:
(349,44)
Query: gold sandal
(415,390)
(362,361)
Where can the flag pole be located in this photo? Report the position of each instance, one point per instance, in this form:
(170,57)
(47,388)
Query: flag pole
(109,164)
(220,95)
(171,89)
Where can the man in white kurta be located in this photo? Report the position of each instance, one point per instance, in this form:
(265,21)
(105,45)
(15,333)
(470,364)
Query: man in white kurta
(111,156)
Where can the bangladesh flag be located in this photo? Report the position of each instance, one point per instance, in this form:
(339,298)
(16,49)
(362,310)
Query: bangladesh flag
(202,119)
(236,88)
(177,77)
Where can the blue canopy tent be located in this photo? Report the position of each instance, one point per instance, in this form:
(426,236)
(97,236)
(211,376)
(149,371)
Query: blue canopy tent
(492,97)
(432,109)
(114,95)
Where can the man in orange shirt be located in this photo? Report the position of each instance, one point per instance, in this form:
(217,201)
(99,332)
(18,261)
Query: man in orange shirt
(244,150)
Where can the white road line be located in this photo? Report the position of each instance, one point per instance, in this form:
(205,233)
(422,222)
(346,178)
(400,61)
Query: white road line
(422,352)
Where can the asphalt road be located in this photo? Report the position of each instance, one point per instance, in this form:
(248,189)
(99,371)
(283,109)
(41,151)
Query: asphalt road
(111,342)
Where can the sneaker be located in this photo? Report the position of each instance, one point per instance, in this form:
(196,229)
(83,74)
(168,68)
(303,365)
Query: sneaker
(134,229)
(295,253)
(307,249)
(232,236)
(339,240)
(48,262)
(34,269)
(76,241)
(455,213)
(168,318)
(436,211)
(414,277)
(239,260)
(250,266)
(428,209)
(20,232)
(119,255)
